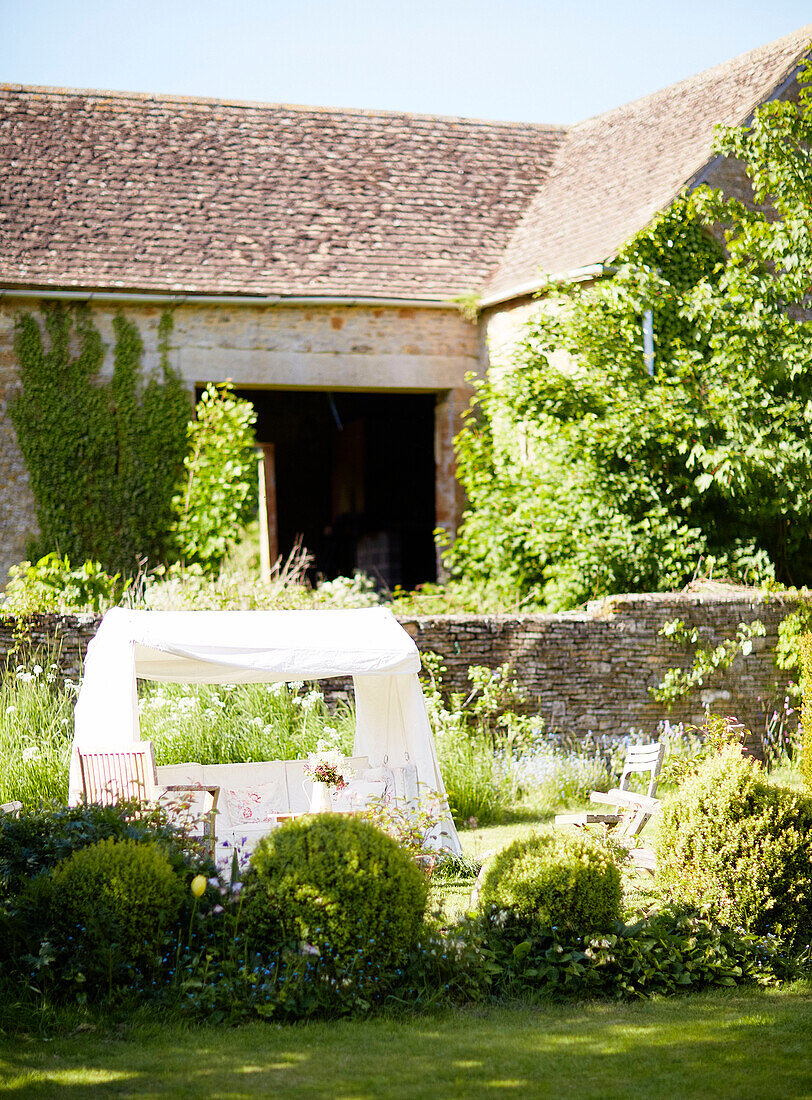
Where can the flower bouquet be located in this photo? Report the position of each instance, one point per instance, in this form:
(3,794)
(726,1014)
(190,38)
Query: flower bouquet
(329,767)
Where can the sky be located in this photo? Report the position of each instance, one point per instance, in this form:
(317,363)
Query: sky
(520,60)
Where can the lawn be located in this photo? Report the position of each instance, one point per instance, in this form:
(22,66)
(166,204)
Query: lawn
(743,1044)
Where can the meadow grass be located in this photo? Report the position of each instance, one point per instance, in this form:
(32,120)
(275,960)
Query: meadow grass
(36,731)
(227,724)
(742,1044)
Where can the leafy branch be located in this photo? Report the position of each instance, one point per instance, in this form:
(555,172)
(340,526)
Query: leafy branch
(679,682)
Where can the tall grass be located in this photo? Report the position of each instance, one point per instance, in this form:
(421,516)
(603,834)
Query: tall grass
(229,724)
(36,731)
(209,724)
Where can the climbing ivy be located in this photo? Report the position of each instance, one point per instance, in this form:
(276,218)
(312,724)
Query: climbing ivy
(103,457)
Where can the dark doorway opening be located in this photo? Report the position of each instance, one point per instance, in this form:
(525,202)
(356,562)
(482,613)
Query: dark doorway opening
(355,480)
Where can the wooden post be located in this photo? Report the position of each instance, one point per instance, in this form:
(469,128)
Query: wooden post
(268,526)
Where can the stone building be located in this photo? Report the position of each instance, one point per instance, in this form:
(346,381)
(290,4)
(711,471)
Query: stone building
(319,259)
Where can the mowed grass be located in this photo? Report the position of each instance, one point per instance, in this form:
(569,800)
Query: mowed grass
(743,1045)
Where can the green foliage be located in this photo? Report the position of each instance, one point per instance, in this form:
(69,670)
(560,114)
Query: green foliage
(412,824)
(555,879)
(219,494)
(589,477)
(52,584)
(336,883)
(672,951)
(703,743)
(229,724)
(708,660)
(46,943)
(102,457)
(792,628)
(806,712)
(730,840)
(115,900)
(34,843)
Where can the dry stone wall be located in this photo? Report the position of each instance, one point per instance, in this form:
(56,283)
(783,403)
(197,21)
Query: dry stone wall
(580,671)
(593,670)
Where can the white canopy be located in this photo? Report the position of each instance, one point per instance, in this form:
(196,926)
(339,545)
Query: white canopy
(216,647)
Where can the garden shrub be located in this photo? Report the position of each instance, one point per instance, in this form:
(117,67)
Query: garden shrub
(32,847)
(35,843)
(52,584)
(730,839)
(555,879)
(337,884)
(113,903)
(218,493)
(671,951)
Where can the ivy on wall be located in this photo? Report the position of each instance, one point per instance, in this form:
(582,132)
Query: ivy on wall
(103,457)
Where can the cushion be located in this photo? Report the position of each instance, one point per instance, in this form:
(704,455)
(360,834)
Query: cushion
(187,774)
(357,794)
(257,803)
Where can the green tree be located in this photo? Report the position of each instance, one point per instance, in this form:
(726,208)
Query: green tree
(219,491)
(103,457)
(591,476)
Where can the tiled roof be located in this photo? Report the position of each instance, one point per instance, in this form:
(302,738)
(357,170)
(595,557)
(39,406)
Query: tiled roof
(615,171)
(115,191)
(135,192)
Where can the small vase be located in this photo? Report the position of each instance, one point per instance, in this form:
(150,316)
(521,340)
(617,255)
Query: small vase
(320,801)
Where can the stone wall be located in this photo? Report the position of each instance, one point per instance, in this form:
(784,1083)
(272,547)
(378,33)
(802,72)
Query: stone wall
(584,671)
(59,638)
(592,670)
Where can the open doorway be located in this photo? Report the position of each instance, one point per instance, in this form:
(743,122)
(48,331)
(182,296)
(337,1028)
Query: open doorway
(355,480)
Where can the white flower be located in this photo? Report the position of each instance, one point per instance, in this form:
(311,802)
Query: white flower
(30,752)
(37,669)
(24,677)
(255,721)
(11,710)
(312,699)
(276,689)
(296,685)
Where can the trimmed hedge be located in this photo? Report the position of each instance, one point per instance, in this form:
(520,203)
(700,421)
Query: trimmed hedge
(556,879)
(732,841)
(114,902)
(337,884)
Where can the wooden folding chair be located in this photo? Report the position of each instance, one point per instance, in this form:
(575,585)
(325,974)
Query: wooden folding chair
(128,775)
(634,810)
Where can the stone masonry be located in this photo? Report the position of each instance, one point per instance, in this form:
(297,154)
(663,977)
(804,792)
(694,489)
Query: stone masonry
(580,671)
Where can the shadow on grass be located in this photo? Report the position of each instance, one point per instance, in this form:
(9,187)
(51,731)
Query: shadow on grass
(745,1045)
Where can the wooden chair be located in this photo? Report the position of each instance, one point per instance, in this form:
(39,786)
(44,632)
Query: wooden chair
(634,810)
(128,775)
